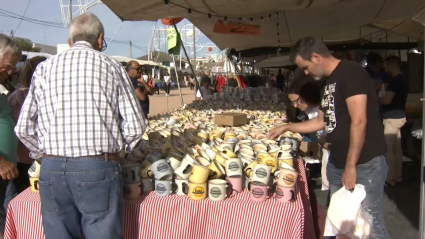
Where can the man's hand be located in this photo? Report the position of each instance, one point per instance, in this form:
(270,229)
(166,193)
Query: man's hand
(349,177)
(7,170)
(275,132)
(323,143)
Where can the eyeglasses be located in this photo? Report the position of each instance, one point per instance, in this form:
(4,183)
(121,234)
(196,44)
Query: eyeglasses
(104,45)
(295,102)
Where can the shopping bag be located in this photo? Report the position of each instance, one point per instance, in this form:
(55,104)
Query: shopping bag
(325,159)
(382,91)
(345,215)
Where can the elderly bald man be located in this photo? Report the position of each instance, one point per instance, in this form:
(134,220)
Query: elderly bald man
(80,112)
(140,85)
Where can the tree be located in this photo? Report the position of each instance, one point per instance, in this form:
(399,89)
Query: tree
(26,45)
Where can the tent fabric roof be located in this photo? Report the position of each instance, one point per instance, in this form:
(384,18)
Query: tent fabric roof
(159,56)
(331,20)
(275,62)
(127,59)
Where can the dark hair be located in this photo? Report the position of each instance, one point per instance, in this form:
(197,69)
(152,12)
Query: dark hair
(308,89)
(373,58)
(295,87)
(300,78)
(306,46)
(311,94)
(393,60)
(28,70)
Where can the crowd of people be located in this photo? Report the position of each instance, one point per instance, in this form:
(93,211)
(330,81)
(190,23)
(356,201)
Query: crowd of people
(77,118)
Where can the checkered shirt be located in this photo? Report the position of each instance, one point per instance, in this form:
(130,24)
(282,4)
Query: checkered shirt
(80,103)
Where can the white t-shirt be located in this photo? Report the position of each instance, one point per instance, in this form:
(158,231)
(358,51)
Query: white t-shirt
(166,79)
(313,113)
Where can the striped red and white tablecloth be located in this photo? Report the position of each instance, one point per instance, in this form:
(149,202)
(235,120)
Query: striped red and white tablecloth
(179,217)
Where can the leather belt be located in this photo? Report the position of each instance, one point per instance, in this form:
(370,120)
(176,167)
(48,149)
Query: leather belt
(105,156)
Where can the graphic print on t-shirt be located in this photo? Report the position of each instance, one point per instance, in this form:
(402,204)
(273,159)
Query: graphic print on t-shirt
(328,105)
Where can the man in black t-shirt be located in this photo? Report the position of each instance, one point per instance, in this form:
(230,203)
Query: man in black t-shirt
(350,116)
(394,116)
(141,87)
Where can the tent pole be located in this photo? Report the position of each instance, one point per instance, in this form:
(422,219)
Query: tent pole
(178,82)
(187,57)
(422,206)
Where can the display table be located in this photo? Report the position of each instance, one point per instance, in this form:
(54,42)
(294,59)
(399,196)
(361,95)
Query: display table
(176,216)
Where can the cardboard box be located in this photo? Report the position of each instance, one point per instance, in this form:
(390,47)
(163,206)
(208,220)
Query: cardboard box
(309,149)
(230,119)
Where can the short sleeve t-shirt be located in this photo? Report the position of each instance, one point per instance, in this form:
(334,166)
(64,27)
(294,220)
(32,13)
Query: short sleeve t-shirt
(143,103)
(349,79)
(396,109)
(166,79)
(205,78)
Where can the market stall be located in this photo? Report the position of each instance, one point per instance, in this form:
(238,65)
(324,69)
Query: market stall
(205,171)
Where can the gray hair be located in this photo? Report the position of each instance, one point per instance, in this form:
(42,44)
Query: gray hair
(8,46)
(86,27)
(306,46)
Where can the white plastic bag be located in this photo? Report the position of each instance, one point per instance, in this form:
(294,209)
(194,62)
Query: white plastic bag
(325,158)
(345,215)
(382,91)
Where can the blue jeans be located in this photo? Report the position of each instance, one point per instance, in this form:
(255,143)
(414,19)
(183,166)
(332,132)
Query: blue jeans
(81,195)
(372,175)
(7,193)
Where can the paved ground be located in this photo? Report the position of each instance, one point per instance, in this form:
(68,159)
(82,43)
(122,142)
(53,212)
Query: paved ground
(401,203)
(161,104)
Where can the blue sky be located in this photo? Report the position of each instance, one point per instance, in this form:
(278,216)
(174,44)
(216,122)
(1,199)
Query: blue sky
(49,10)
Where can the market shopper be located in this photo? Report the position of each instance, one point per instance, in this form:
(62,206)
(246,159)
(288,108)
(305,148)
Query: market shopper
(206,90)
(10,54)
(349,115)
(158,84)
(394,117)
(167,84)
(375,70)
(206,76)
(192,81)
(16,100)
(80,112)
(305,94)
(140,85)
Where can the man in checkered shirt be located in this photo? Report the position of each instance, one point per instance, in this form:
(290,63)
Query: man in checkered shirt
(80,112)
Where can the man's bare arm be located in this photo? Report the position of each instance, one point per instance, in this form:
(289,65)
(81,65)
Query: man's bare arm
(356,105)
(357,109)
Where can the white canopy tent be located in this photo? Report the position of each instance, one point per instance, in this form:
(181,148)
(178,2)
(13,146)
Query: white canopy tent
(331,20)
(30,54)
(127,59)
(274,62)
